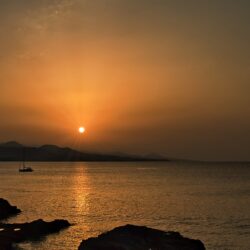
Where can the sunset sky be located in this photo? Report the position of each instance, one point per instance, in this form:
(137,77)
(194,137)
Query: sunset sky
(142,76)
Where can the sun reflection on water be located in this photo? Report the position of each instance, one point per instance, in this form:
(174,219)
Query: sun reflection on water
(81,187)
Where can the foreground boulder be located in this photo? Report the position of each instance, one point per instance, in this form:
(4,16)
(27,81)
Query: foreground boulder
(6,210)
(19,232)
(131,237)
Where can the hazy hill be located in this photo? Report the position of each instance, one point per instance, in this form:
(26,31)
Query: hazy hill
(14,151)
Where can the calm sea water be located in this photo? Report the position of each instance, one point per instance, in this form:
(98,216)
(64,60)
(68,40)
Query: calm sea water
(210,202)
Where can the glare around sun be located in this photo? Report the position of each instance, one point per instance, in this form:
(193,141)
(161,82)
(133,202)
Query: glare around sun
(81,130)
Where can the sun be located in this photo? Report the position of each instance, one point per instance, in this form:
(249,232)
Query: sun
(81,130)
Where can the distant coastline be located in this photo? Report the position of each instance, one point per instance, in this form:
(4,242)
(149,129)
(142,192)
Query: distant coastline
(14,151)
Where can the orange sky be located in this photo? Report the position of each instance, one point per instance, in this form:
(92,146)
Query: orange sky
(142,76)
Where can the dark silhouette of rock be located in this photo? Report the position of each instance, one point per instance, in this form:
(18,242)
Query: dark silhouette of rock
(131,237)
(6,210)
(5,244)
(19,232)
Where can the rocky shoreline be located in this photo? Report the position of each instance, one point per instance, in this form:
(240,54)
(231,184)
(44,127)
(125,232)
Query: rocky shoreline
(11,234)
(128,237)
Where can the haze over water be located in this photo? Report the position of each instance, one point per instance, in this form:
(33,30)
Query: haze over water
(209,202)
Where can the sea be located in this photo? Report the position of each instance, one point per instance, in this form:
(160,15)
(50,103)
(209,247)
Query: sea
(206,201)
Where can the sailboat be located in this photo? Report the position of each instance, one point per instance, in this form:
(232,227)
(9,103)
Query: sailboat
(24,168)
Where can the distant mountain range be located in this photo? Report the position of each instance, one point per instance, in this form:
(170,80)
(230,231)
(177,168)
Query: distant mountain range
(14,151)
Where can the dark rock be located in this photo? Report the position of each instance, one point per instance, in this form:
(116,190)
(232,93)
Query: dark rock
(5,244)
(6,210)
(131,237)
(19,232)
